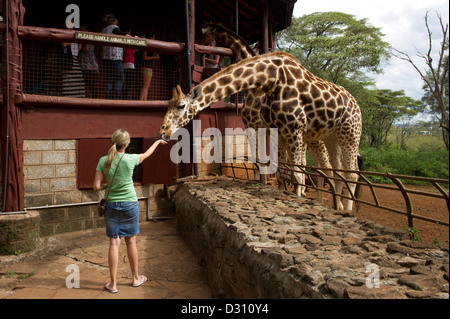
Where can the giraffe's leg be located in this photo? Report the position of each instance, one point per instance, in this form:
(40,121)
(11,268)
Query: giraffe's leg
(321,159)
(253,149)
(297,156)
(283,159)
(350,162)
(251,129)
(335,155)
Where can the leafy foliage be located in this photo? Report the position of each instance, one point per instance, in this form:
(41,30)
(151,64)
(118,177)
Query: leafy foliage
(335,45)
(432,164)
(383,110)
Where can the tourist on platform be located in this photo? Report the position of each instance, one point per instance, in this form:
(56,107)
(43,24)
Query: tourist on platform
(129,70)
(71,75)
(148,59)
(211,60)
(89,68)
(112,59)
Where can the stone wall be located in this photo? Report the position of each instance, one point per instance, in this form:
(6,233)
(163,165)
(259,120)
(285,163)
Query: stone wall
(257,242)
(19,233)
(50,173)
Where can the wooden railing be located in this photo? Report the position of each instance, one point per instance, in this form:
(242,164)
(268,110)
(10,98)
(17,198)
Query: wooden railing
(399,183)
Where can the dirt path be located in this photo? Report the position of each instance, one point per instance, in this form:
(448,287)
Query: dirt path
(423,205)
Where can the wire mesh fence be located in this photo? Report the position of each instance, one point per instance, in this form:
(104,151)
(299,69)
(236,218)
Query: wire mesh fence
(80,71)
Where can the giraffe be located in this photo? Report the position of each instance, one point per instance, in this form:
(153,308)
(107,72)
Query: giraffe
(255,97)
(303,107)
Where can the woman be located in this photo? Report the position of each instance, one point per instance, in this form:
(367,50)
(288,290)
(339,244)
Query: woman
(122,207)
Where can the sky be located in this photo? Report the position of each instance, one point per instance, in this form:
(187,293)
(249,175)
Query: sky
(403,23)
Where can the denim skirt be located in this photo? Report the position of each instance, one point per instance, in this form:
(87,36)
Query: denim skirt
(122,219)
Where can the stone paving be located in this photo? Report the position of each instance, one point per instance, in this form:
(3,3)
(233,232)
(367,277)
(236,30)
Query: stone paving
(263,243)
(164,258)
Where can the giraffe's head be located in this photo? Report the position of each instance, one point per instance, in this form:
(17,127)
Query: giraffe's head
(182,109)
(209,34)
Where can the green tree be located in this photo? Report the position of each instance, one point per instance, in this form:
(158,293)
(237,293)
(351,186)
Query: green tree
(385,108)
(335,46)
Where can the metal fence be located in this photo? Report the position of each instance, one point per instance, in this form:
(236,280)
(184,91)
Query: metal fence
(79,71)
(399,184)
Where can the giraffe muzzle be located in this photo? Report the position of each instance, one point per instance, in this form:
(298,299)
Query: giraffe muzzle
(164,138)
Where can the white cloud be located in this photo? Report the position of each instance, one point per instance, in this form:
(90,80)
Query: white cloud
(402,22)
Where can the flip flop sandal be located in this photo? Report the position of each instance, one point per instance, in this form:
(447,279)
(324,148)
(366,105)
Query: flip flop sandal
(111,291)
(144,279)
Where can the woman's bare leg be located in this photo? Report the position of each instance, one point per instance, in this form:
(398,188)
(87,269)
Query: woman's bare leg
(133,258)
(113,261)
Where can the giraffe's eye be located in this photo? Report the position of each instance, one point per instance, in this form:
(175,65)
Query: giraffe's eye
(182,106)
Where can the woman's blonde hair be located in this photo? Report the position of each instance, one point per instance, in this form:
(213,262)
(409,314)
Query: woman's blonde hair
(120,138)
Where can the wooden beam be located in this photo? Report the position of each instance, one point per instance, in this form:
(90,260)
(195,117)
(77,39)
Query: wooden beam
(68,35)
(203,49)
(82,103)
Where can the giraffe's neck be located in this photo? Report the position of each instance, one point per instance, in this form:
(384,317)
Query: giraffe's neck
(236,43)
(258,72)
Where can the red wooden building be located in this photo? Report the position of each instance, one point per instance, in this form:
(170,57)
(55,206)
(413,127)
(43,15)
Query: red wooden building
(56,121)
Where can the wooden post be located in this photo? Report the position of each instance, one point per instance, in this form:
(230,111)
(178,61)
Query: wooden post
(264,27)
(192,30)
(264,47)
(11,115)
(408,202)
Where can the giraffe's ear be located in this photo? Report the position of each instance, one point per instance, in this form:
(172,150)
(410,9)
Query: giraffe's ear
(196,93)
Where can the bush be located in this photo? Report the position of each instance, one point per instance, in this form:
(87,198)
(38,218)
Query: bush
(433,164)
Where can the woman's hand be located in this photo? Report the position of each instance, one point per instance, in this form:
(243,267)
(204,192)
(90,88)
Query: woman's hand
(161,142)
